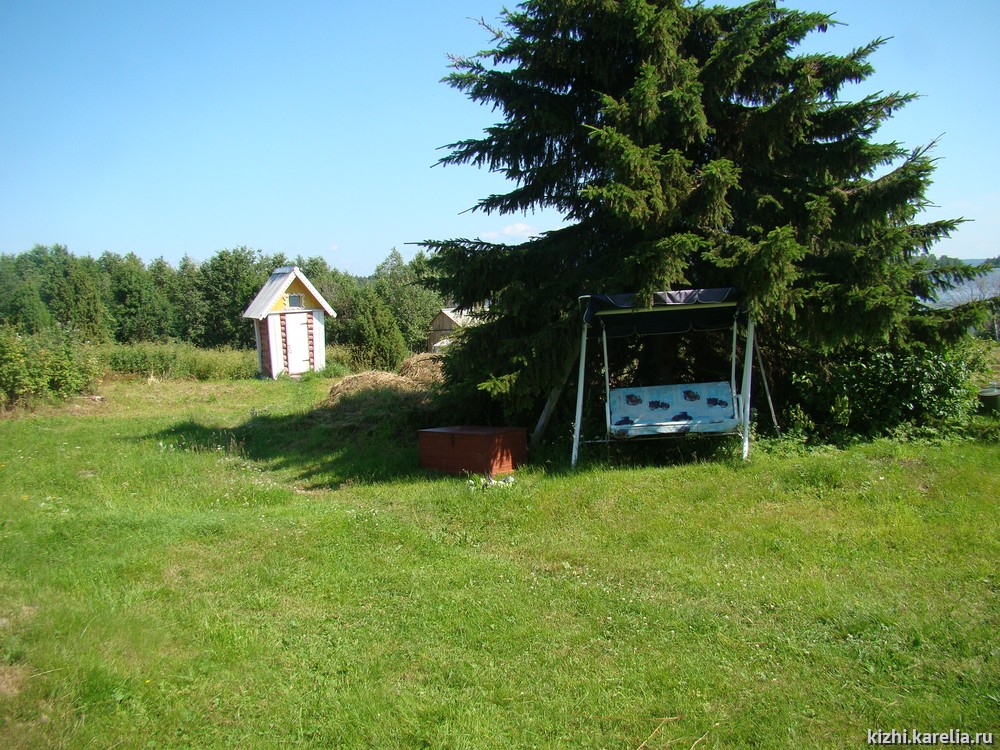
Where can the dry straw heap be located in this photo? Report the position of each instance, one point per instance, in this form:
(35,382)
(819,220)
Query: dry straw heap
(372,380)
(367,401)
(424,369)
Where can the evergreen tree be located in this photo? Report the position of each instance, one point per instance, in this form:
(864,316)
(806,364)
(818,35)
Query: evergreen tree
(164,278)
(77,297)
(691,147)
(26,310)
(375,338)
(42,265)
(20,299)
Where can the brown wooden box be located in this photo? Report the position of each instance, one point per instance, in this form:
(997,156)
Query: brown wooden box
(476,450)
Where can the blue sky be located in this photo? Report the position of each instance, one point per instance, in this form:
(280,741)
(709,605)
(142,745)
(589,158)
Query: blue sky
(181,128)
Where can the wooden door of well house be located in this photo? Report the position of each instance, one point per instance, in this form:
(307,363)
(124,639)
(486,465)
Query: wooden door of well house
(297,341)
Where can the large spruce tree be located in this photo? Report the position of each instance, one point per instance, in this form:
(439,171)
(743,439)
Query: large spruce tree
(688,146)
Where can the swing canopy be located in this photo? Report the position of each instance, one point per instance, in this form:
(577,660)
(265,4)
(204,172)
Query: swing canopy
(720,407)
(621,315)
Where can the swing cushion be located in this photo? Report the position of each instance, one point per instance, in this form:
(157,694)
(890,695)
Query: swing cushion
(672,409)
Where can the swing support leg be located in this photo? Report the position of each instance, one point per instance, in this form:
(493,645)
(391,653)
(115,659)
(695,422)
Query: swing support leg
(550,405)
(745,389)
(579,397)
(607,380)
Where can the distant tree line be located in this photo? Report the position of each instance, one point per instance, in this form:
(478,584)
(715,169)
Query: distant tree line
(944,261)
(981,289)
(115,298)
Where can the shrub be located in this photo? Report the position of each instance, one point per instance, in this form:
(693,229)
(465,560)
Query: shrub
(17,380)
(44,365)
(876,392)
(377,342)
(140,359)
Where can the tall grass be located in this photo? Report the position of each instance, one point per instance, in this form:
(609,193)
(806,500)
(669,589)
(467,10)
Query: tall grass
(185,361)
(179,360)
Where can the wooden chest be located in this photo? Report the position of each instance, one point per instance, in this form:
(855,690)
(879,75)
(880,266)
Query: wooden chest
(476,450)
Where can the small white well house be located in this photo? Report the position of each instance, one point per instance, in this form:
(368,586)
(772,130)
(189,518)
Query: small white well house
(288,318)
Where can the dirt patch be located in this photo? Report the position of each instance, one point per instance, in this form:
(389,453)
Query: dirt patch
(26,612)
(12,680)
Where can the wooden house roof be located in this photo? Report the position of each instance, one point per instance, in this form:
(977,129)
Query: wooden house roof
(450,317)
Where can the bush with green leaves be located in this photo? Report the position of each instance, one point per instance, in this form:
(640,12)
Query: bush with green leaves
(876,392)
(42,365)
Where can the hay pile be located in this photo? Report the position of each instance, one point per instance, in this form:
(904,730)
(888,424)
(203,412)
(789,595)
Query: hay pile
(377,402)
(424,369)
(372,380)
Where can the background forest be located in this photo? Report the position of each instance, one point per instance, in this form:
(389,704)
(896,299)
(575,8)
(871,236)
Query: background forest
(121,299)
(66,319)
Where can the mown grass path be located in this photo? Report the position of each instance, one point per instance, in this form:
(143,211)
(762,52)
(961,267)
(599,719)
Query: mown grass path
(206,565)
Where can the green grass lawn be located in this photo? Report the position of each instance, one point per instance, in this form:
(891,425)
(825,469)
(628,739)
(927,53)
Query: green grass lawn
(223,565)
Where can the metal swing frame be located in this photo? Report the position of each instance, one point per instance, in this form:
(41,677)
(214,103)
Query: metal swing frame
(627,316)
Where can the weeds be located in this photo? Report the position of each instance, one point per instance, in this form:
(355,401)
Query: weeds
(177,361)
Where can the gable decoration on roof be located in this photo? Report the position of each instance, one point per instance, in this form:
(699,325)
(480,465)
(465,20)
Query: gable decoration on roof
(275,286)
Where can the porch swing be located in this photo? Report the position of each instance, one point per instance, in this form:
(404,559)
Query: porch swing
(716,407)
